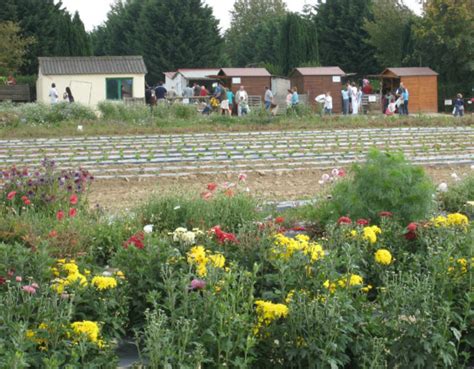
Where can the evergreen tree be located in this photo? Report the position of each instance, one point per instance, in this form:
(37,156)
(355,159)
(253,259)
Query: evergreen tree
(13,47)
(299,43)
(343,37)
(169,34)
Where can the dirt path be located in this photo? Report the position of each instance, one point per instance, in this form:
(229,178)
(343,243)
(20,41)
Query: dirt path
(117,195)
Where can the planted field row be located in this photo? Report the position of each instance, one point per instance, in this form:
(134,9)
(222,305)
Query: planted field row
(109,157)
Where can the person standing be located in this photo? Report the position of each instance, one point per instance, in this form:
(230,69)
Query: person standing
(268,98)
(345,101)
(68,95)
(230,98)
(288,99)
(328,104)
(406,96)
(188,93)
(242,99)
(400,100)
(295,98)
(160,93)
(354,99)
(203,92)
(53,94)
(196,89)
(224,103)
(458,106)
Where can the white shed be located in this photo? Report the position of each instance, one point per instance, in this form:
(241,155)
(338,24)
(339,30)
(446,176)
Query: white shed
(92,79)
(187,77)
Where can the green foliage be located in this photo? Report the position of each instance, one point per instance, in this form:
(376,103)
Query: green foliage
(55,31)
(342,36)
(390,33)
(170,212)
(445,42)
(299,43)
(386,182)
(13,47)
(253,36)
(458,196)
(170,34)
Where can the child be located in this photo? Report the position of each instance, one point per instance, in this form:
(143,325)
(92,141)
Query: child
(328,104)
(458,106)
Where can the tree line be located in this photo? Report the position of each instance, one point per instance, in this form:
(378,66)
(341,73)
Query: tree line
(361,36)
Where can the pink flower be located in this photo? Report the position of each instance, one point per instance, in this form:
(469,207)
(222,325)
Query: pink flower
(53,234)
(18,278)
(73,199)
(206,195)
(341,173)
(412,227)
(11,195)
(385,214)
(29,289)
(197,284)
(242,177)
(60,215)
(72,212)
(362,222)
(344,220)
(34,285)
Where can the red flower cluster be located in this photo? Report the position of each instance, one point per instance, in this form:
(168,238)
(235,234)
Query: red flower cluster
(410,233)
(279,220)
(385,214)
(362,222)
(73,199)
(11,195)
(26,200)
(222,236)
(344,220)
(136,240)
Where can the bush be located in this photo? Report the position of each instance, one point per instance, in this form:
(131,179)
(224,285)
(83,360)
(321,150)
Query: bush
(458,195)
(182,111)
(118,111)
(385,182)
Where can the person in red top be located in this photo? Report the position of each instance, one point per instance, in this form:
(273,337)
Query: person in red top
(204,91)
(366,88)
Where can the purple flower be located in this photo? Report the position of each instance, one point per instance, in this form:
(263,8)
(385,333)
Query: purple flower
(197,284)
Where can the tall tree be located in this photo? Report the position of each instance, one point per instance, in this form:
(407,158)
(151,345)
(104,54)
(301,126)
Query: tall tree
(445,42)
(390,33)
(13,47)
(169,34)
(299,43)
(254,33)
(342,35)
(50,24)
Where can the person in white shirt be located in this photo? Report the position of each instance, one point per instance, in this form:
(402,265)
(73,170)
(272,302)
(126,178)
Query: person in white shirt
(242,99)
(53,94)
(354,99)
(328,103)
(268,98)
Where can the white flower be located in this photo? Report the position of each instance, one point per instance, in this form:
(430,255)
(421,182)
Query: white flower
(335,172)
(325,177)
(148,228)
(455,177)
(80,128)
(106,274)
(177,207)
(472,167)
(443,187)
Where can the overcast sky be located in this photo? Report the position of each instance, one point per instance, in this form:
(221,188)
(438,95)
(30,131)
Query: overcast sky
(94,12)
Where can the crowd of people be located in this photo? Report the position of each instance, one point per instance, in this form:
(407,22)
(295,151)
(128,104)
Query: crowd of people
(396,101)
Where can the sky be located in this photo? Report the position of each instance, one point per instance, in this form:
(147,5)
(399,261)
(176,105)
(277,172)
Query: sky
(94,12)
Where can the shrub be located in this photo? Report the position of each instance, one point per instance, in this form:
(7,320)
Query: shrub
(385,182)
(182,111)
(118,111)
(458,195)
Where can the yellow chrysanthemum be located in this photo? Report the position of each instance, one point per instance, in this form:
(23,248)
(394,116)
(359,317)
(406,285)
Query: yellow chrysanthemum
(104,283)
(217,260)
(285,247)
(367,288)
(440,221)
(267,311)
(457,219)
(70,268)
(383,257)
(197,255)
(331,286)
(86,328)
(370,233)
(120,274)
(76,277)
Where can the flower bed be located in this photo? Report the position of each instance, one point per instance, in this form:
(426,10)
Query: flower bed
(256,290)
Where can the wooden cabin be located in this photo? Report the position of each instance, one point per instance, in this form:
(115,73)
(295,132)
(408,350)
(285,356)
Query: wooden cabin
(422,85)
(254,80)
(314,81)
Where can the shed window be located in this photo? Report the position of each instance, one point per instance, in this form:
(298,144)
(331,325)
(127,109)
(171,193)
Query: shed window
(119,88)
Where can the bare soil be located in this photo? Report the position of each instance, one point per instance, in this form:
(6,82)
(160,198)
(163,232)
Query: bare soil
(120,195)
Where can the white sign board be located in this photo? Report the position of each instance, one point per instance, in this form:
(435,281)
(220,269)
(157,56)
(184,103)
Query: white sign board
(448,102)
(236,81)
(336,79)
(372,98)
